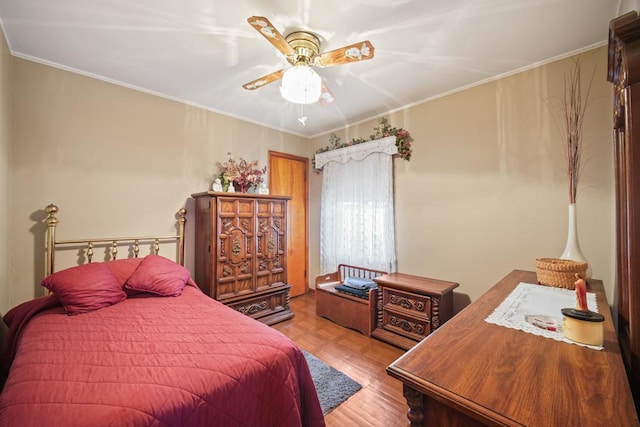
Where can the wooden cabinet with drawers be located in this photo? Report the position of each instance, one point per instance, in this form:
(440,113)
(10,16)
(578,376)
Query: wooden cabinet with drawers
(241,252)
(411,307)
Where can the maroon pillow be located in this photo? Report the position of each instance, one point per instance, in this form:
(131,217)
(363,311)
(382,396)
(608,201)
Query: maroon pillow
(158,275)
(85,288)
(123,268)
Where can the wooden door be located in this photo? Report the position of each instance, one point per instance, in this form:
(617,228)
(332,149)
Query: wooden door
(288,177)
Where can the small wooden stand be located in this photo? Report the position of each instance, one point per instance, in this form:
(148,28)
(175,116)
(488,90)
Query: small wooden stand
(411,307)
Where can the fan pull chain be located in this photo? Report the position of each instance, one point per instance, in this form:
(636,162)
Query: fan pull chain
(302,119)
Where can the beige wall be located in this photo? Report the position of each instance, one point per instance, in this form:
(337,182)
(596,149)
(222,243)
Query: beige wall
(485,191)
(116,161)
(5,134)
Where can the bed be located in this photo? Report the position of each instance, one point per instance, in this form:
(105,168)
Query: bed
(135,342)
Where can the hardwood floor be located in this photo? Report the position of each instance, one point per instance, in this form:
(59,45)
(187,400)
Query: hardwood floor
(380,401)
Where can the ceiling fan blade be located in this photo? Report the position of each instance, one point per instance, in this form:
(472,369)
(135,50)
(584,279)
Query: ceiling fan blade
(326,97)
(258,83)
(355,52)
(269,32)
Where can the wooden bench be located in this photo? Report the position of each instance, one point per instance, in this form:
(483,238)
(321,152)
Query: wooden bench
(346,310)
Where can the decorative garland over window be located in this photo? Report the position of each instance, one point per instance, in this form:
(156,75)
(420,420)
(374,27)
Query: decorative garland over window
(356,152)
(383,130)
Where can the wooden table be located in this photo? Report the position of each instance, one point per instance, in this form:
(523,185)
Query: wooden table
(473,373)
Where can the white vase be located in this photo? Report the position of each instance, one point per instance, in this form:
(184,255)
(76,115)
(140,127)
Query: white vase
(572,249)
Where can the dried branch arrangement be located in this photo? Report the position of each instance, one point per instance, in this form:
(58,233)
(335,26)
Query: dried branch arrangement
(575,105)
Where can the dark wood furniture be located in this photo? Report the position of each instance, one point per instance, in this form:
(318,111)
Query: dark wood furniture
(343,309)
(624,73)
(411,307)
(241,252)
(473,373)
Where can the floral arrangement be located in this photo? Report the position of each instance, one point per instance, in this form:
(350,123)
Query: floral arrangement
(384,129)
(574,106)
(241,173)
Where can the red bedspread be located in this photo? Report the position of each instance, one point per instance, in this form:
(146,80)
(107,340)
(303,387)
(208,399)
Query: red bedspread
(157,361)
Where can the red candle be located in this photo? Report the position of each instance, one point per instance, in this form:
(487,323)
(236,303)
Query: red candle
(581,294)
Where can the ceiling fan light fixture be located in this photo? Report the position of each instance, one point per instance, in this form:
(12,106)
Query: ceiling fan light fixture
(301,85)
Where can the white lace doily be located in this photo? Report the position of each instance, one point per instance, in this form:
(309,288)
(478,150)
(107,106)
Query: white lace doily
(528,299)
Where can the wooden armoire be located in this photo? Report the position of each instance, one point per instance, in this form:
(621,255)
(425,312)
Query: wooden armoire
(241,252)
(624,73)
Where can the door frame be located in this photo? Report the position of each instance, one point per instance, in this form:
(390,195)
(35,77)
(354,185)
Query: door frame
(305,161)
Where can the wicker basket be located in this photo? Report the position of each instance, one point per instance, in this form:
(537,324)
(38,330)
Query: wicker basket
(560,273)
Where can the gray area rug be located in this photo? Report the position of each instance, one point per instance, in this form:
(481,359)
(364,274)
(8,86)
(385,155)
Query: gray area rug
(333,386)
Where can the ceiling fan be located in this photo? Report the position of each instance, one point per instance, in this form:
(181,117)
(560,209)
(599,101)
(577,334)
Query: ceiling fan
(300,84)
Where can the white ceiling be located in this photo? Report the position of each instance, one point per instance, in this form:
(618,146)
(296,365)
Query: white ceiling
(202,51)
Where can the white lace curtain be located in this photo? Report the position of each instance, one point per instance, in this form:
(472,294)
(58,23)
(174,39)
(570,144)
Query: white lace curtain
(357,216)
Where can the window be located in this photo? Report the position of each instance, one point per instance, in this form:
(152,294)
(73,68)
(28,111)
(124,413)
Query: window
(357,215)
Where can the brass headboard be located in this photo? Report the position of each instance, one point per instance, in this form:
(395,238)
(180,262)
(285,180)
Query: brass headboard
(52,243)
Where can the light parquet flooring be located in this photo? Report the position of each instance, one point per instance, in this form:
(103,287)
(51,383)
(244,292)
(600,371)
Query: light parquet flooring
(379,403)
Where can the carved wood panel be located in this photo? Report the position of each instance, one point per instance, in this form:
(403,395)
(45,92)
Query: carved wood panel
(235,248)
(271,243)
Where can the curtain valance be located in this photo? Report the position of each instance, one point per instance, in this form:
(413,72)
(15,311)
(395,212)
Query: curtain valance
(357,152)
